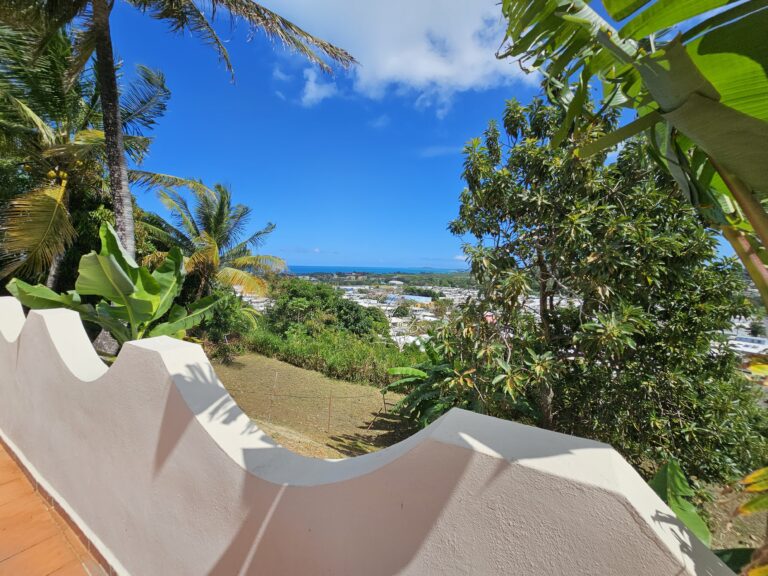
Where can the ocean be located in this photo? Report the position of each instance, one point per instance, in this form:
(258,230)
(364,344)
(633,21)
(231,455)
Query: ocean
(303,270)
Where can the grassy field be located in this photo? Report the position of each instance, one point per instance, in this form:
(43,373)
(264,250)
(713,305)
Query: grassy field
(292,405)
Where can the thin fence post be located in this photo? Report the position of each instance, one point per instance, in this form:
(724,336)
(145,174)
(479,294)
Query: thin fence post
(272,398)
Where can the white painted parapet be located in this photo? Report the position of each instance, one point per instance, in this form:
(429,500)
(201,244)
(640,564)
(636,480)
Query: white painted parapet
(157,465)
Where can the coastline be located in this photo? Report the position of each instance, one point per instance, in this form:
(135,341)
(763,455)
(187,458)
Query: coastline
(297,270)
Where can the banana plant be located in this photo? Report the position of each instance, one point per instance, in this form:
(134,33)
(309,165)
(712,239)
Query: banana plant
(672,487)
(693,71)
(135,303)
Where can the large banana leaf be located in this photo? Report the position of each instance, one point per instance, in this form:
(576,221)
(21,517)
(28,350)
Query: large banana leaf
(673,488)
(134,301)
(169,277)
(182,320)
(41,297)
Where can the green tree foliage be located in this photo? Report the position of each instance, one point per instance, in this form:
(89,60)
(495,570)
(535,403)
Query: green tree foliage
(53,200)
(232,317)
(335,353)
(132,303)
(421,291)
(402,310)
(602,305)
(757,328)
(312,326)
(313,307)
(695,74)
(224,331)
(209,234)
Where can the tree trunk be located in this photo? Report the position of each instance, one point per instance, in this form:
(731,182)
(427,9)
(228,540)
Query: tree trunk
(546,396)
(113,126)
(54,272)
(545,392)
(106,344)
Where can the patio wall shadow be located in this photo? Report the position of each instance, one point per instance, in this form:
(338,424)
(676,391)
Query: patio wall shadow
(164,473)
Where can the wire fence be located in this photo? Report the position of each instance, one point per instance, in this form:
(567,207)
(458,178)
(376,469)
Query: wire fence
(313,414)
(333,401)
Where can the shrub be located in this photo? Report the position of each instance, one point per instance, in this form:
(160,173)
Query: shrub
(335,353)
(320,306)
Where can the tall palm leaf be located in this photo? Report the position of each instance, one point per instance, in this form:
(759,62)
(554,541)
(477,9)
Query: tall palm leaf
(209,234)
(197,17)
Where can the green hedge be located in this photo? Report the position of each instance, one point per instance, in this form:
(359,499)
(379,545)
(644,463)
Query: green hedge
(334,353)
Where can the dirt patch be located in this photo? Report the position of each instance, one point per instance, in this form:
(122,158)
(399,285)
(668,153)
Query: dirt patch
(729,531)
(293,404)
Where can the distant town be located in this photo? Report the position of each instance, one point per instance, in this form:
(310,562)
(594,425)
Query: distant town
(413,302)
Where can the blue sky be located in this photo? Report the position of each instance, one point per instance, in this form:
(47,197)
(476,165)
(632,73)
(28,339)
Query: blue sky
(359,169)
(362,168)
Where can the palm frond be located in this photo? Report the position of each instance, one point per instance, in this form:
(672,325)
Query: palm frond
(165,233)
(154,260)
(214,215)
(84,143)
(144,101)
(136,147)
(184,15)
(289,34)
(257,238)
(237,223)
(35,228)
(207,253)
(247,283)
(259,264)
(83,47)
(238,251)
(152,180)
(48,16)
(180,211)
(27,114)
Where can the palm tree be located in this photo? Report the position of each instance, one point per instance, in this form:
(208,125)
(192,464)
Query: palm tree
(209,235)
(51,132)
(191,16)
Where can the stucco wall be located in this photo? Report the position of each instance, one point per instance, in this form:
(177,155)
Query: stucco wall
(160,468)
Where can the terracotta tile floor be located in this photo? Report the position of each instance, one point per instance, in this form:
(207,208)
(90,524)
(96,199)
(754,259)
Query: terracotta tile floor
(34,539)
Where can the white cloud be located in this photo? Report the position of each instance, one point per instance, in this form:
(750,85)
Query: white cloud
(460,257)
(315,89)
(439,150)
(379,122)
(316,250)
(426,51)
(279,94)
(278,74)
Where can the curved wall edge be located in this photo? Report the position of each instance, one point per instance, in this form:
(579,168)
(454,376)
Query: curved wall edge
(156,463)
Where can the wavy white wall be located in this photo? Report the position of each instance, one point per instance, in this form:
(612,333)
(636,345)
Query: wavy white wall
(157,464)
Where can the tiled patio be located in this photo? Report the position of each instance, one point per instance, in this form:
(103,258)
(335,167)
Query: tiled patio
(34,539)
